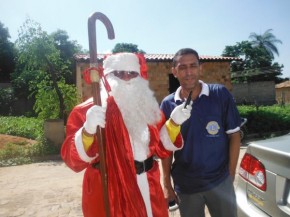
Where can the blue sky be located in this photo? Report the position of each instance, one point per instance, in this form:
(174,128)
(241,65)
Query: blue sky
(159,26)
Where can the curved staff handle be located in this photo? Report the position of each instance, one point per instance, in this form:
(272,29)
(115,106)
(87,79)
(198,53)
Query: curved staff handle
(92,34)
(95,78)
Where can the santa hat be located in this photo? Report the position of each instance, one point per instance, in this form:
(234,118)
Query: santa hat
(121,62)
(125,62)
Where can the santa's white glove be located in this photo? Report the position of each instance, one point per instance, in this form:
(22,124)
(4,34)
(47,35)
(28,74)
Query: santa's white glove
(181,114)
(95,117)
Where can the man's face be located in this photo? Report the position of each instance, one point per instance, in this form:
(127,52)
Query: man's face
(187,71)
(125,75)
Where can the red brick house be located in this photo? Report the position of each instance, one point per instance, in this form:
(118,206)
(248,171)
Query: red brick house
(215,69)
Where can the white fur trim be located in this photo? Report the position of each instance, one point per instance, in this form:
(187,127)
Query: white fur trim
(165,139)
(233,130)
(121,62)
(143,184)
(80,147)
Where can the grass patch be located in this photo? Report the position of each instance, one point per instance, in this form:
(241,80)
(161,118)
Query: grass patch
(17,154)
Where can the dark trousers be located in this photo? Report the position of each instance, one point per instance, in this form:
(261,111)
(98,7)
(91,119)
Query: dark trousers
(220,201)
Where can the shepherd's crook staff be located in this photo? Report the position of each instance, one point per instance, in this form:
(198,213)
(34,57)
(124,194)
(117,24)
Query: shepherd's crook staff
(95,79)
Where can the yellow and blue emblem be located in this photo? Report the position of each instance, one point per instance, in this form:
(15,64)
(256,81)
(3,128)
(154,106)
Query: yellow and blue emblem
(212,127)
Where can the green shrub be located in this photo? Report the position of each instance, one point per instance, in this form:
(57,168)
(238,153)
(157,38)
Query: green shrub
(28,127)
(47,102)
(265,119)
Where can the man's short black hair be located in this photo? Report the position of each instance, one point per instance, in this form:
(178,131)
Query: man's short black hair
(184,51)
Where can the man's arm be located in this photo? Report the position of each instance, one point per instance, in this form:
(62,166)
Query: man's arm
(169,193)
(234,151)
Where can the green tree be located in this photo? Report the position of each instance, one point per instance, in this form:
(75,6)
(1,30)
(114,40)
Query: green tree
(39,59)
(257,64)
(253,57)
(127,47)
(7,54)
(266,41)
(67,50)
(46,105)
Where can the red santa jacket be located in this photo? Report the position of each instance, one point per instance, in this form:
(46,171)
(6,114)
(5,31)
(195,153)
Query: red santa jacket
(124,193)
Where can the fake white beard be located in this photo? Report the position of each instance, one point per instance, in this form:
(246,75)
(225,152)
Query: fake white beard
(138,107)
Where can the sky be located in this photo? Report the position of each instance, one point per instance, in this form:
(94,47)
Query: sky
(159,26)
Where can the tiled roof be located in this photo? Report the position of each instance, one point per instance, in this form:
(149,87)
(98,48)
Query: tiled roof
(283,84)
(161,57)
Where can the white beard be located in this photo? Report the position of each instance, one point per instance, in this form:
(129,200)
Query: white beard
(139,108)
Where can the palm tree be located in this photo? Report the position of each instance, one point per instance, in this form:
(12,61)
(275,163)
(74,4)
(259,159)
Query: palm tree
(267,41)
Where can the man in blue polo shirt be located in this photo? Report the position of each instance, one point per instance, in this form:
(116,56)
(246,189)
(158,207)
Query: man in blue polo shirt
(203,171)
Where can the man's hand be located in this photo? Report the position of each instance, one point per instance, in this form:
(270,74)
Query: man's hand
(95,117)
(181,114)
(169,193)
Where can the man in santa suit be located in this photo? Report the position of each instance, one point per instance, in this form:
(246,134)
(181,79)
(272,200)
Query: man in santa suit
(135,134)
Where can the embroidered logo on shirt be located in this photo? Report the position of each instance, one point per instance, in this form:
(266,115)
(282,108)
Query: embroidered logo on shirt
(212,127)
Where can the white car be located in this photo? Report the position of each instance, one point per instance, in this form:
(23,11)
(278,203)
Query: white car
(264,179)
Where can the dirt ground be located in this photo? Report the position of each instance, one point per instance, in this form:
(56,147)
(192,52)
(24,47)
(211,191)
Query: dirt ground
(5,139)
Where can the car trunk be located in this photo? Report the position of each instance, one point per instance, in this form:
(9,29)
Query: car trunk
(274,154)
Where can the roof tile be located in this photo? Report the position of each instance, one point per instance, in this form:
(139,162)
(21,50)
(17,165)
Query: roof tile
(160,57)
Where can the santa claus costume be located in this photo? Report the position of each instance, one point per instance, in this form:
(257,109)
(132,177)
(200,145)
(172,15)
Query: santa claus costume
(135,135)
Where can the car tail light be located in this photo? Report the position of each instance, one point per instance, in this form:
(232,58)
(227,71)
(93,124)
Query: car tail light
(253,171)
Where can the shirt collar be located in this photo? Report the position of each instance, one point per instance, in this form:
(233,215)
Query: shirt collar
(204,91)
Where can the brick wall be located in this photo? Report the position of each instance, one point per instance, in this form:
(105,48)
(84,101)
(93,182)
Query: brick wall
(217,72)
(158,78)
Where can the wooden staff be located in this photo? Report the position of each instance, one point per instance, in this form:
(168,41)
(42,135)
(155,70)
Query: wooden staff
(95,78)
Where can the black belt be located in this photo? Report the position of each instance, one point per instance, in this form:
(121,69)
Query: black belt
(143,166)
(140,167)
(96,165)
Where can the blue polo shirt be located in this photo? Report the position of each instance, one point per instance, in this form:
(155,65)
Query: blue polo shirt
(203,162)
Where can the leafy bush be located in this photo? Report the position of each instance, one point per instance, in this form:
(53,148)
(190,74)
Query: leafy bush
(31,128)
(265,119)
(47,102)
